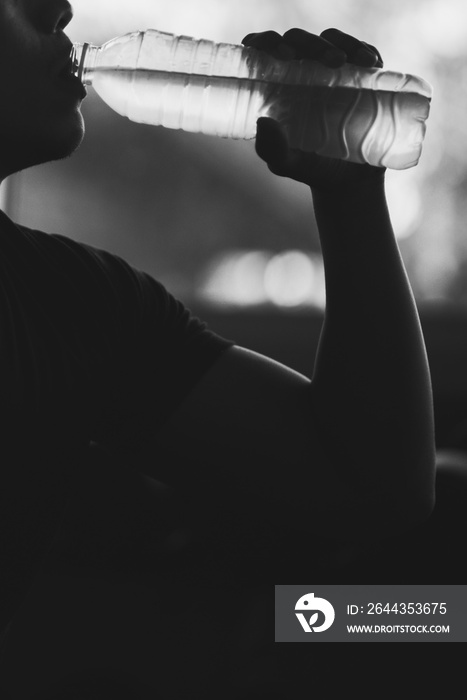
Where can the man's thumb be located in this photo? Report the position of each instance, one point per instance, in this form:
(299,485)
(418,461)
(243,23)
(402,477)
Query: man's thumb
(271,145)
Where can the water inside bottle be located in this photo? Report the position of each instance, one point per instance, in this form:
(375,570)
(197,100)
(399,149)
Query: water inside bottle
(199,103)
(376,126)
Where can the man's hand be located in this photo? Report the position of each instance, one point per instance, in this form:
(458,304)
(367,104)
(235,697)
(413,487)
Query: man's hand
(333,48)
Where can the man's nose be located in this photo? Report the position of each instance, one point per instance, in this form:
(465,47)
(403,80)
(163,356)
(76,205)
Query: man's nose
(52,16)
(64,15)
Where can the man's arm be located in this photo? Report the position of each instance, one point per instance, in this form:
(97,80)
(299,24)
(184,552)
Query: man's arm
(350,453)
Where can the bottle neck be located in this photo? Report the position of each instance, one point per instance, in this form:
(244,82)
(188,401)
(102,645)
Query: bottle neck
(84,57)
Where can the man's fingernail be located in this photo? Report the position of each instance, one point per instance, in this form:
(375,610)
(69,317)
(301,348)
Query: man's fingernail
(366,57)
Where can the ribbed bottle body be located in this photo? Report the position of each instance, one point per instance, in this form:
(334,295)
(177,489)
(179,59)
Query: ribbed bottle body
(362,115)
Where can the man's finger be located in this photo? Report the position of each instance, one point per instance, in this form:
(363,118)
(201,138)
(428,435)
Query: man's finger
(311,46)
(264,41)
(271,144)
(358,52)
(372,48)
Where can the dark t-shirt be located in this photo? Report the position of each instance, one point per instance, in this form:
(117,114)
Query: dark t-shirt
(91,350)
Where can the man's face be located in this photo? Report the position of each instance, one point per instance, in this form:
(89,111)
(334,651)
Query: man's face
(40,117)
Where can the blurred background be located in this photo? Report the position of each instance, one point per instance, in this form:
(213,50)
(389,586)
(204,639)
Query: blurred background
(240,247)
(236,244)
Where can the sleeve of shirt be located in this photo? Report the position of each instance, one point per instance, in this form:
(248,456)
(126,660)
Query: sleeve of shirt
(140,350)
(161,351)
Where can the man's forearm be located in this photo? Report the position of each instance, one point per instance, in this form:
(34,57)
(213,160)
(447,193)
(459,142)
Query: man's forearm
(371,382)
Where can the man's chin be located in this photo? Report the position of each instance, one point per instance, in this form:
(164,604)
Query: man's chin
(64,141)
(64,149)
(58,145)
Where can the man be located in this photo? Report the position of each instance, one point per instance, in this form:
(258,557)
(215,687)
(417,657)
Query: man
(95,353)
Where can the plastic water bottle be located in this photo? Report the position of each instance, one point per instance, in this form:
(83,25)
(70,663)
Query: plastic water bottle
(365,115)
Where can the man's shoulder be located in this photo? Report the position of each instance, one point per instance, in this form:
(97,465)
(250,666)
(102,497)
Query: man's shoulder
(81,262)
(56,264)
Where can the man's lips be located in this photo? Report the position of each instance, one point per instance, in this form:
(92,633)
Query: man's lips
(62,57)
(73,83)
(67,74)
